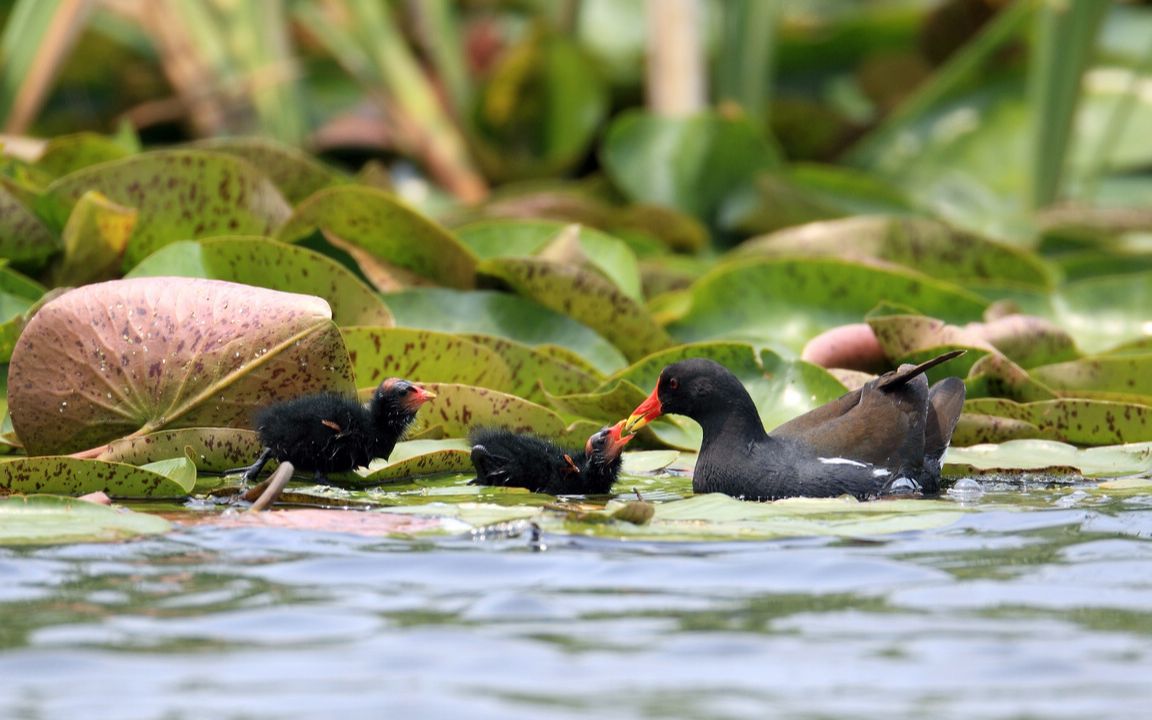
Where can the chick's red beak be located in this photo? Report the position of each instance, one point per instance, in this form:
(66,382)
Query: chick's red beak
(644,413)
(420,395)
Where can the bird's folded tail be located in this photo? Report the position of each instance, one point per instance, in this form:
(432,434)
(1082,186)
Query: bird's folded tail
(904,374)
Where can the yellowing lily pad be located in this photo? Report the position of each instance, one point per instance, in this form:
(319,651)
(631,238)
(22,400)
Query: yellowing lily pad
(424,356)
(59,475)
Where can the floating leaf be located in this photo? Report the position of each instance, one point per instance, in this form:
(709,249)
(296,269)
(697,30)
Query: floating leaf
(787,301)
(424,356)
(44,519)
(296,174)
(420,458)
(1075,420)
(367,524)
(133,356)
(274,265)
(715,515)
(180,195)
(524,238)
(503,315)
(389,230)
(927,246)
(18,295)
(534,372)
(585,296)
(1036,455)
(95,240)
(211,449)
(459,408)
(996,376)
(975,428)
(23,238)
(1121,375)
(70,476)
(68,153)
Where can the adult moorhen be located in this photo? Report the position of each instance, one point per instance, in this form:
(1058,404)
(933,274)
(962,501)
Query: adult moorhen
(328,432)
(506,458)
(892,428)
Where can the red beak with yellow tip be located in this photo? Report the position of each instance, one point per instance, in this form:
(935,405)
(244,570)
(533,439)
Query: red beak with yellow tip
(644,413)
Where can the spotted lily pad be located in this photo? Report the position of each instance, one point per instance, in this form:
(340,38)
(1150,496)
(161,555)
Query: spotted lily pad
(1119,376)
(502,315)
(68,153)
(296,174)
(95,240)
(422,355)
(274,265)
(387,229)
(525,238)
(211,449)
(459,408)
(585,296)
(45,519)
(23,237)
(71,476)
(1036,455)
(420,458)
(180,195)
(533,372)
(921,244)
(787,301)
(130,357)
(1074,420)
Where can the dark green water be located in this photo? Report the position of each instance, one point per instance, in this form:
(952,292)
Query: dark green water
(1040,613)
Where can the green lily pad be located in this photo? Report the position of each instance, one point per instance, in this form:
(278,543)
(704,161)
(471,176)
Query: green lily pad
(691,164)
(273,265)
(420,458)
(976,428)
(534,372)
(524,238)
(18,295)
(1035,455)
(68,153)
(503,315)
(715,515)
(23,237)
(180,195)
(585,296)
(295,173)
(1120,375)
(459,408)
(45,519)
(61,475)
(424,356)
(387,229)
(1075,420)
(130,357)
(994,375)
(927,246)
(787,301)
(95,239)
(212,449)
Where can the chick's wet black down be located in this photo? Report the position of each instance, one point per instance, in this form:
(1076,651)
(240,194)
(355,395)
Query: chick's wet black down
(329,432)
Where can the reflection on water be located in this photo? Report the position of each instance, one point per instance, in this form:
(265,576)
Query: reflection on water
(1043,613)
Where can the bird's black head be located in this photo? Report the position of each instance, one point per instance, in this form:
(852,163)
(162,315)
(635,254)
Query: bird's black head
(395,402)
(696,387)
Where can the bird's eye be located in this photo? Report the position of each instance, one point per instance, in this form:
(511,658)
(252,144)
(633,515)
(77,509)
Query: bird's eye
(673,384)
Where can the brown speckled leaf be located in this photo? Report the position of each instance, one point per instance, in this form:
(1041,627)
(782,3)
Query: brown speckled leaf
(180,194)
(423,356)
(70,476)
(212,449)
(1074,420)
(23,238)
(297,174)
(534,371)
(273,265)
(584,296)
(130,357)
(458,408)
(1122,375)
(379,223)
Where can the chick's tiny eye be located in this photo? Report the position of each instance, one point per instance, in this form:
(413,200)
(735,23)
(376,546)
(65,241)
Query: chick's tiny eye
(673,384)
